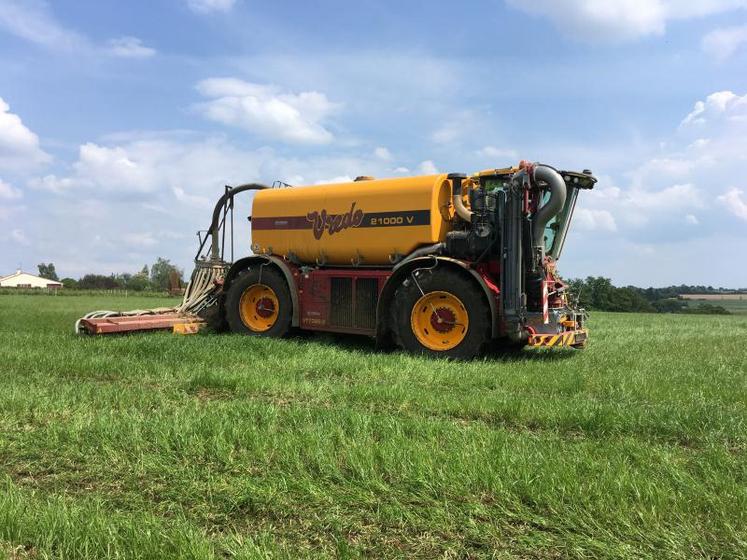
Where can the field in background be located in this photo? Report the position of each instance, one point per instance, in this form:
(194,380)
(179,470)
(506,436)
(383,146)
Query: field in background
(110,295)
(160,446)
(732,305)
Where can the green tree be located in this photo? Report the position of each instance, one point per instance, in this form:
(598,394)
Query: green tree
(707,309)
(160,271)
(600,292)
(69,283)
(99,282)
(628,299)
(138,283)
(47,271)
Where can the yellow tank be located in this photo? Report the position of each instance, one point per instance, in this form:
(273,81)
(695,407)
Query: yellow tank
(368,222)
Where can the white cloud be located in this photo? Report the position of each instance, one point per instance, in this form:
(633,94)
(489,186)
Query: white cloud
(9,192)
(400,170)
(267,111)
(447,133)
(666,200)
(382,153)
(591,19)
(502,154)
(459,125)
(52,183)
(32,21)
(634,209)
(19,147)
(716,105)
(130,47)
(723,42)
(620,20)
(682,184)
(144,167)
(140,239)
(207,6)
(115,168)
(713,137)
(190,199)
(338,179)
(128,192)
(427,167)
(734,202)
(586,219)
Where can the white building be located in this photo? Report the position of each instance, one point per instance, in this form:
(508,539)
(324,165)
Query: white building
(25,280)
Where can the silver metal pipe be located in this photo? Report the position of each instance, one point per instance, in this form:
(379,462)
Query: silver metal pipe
(460,208)
(551,207)
(456,196)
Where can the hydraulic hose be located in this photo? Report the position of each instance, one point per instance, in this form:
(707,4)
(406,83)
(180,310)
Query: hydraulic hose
(436,248)
(196,297)
(202,284)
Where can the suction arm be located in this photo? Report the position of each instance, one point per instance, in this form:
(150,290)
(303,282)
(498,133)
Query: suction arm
(222,201)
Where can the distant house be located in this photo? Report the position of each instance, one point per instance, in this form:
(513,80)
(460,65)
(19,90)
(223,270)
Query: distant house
(25,280)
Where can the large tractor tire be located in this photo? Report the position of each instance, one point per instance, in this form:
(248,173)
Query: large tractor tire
(449,318)
(259,303)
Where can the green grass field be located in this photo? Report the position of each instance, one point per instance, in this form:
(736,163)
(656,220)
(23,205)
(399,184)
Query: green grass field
(221,446)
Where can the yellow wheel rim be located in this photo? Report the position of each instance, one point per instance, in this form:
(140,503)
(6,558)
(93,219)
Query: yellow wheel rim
(439,321)
(259,308)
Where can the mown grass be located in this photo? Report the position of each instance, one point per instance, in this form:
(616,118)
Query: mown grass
(159,446)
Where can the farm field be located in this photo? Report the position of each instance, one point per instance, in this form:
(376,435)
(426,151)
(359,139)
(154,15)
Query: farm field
(735,306)
(222,446)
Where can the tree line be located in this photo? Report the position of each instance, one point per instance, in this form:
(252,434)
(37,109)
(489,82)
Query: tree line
(592,293)
(598,293)
(158,277)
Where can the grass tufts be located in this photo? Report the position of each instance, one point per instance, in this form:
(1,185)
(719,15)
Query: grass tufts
(224,446)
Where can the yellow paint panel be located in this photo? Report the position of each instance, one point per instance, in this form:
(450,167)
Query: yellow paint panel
(397,216)
(192,327)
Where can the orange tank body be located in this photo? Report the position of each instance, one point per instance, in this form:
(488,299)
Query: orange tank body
(369,222)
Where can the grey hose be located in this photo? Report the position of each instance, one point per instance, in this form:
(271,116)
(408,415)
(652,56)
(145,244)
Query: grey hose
(197,295)
(551,207)
(202,285)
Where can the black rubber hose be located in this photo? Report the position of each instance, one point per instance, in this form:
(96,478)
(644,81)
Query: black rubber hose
(213,230)
(422,252)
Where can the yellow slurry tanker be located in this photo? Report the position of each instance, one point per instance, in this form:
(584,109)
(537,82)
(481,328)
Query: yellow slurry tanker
(446,265)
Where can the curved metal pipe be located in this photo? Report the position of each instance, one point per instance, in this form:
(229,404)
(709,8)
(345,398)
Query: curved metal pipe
(461,209)
(213,230)
(456,196)
(551,207)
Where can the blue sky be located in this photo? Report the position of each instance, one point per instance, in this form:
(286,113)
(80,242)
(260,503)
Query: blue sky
(121,121)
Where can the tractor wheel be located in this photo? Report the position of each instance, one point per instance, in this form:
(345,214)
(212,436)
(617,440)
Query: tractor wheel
(448,318)
(259,303)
